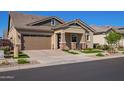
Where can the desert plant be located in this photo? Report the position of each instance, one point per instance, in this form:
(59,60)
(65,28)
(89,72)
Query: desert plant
(22,61)
(98,46)
(121,49)
(99,54)
(105,47)
(72,52)
(5,62)
(22,55)
(6,50)
(91,51)
(112,39)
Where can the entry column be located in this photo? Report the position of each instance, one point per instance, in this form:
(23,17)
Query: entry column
(83,41)
(16,45)
(55,41)
(63,41)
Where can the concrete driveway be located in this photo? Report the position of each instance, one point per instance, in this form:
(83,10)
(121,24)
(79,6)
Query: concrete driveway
(55,56)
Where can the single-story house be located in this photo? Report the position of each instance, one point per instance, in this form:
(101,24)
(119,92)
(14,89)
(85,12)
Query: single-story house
(102,31)
(31,32)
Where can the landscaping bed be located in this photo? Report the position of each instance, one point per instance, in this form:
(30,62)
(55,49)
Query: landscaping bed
(6,64)
(93,52)
(22,55)
(90,50)
(74,52)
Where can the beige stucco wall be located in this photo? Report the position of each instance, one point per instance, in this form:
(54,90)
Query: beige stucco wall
(121,43)
(90,42)
(14,36)
(99,39)
(74,30)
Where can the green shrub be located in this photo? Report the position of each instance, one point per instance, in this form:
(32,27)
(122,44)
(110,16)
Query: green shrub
(22,55)
(6,50)
(99,54)
(105,47)
(98,46)
(88,49)
(22,61)
(72,52)
(91,51)
(65,50)
(121,49)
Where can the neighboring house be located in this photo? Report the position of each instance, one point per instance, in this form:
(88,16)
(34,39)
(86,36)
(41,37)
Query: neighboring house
(102,31)
(30,32)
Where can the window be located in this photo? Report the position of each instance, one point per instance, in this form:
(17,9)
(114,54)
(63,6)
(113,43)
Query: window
(74,37)
(53,22)
(87,36)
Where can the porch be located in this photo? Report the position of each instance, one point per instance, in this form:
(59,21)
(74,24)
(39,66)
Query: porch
(69,40)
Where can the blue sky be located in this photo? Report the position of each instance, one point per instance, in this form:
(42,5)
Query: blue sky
(115,18)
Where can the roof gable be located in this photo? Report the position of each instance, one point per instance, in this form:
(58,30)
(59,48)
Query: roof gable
(78,23)
(46,20)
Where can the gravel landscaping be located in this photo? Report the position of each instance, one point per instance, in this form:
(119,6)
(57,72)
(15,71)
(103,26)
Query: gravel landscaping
(14,64)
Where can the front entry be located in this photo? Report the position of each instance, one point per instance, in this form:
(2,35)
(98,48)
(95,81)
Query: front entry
(72,41)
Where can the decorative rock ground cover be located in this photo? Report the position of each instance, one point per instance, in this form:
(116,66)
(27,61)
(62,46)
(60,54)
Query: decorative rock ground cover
(4,63)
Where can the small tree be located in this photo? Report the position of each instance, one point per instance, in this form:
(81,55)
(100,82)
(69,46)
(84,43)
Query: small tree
(113,39)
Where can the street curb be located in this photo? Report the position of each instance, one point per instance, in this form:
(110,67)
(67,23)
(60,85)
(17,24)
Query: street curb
(53,64)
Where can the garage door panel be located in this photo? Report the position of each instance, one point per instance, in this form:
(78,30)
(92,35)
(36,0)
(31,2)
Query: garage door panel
(37,42)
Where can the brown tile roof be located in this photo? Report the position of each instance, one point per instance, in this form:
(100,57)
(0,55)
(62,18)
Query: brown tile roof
(100,29)
(25,21)
(104,29)
(21,20)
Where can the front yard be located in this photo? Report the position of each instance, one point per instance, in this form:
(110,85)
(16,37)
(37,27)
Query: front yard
(7,59)
(94,52)
(46,57)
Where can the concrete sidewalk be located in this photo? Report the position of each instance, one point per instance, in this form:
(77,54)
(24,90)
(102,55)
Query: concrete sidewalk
(52,63)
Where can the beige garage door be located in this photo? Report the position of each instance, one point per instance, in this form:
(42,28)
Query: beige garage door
(36,42)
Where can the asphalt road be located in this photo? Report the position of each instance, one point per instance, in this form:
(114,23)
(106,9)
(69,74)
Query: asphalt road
(104,70)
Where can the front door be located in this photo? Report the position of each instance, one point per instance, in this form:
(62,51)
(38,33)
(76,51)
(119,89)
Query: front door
(58,40)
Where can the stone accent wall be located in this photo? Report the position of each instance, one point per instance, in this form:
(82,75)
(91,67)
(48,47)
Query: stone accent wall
(62,45)
(73,45)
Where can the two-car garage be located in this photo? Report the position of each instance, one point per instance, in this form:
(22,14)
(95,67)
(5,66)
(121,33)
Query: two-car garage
(36,42)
